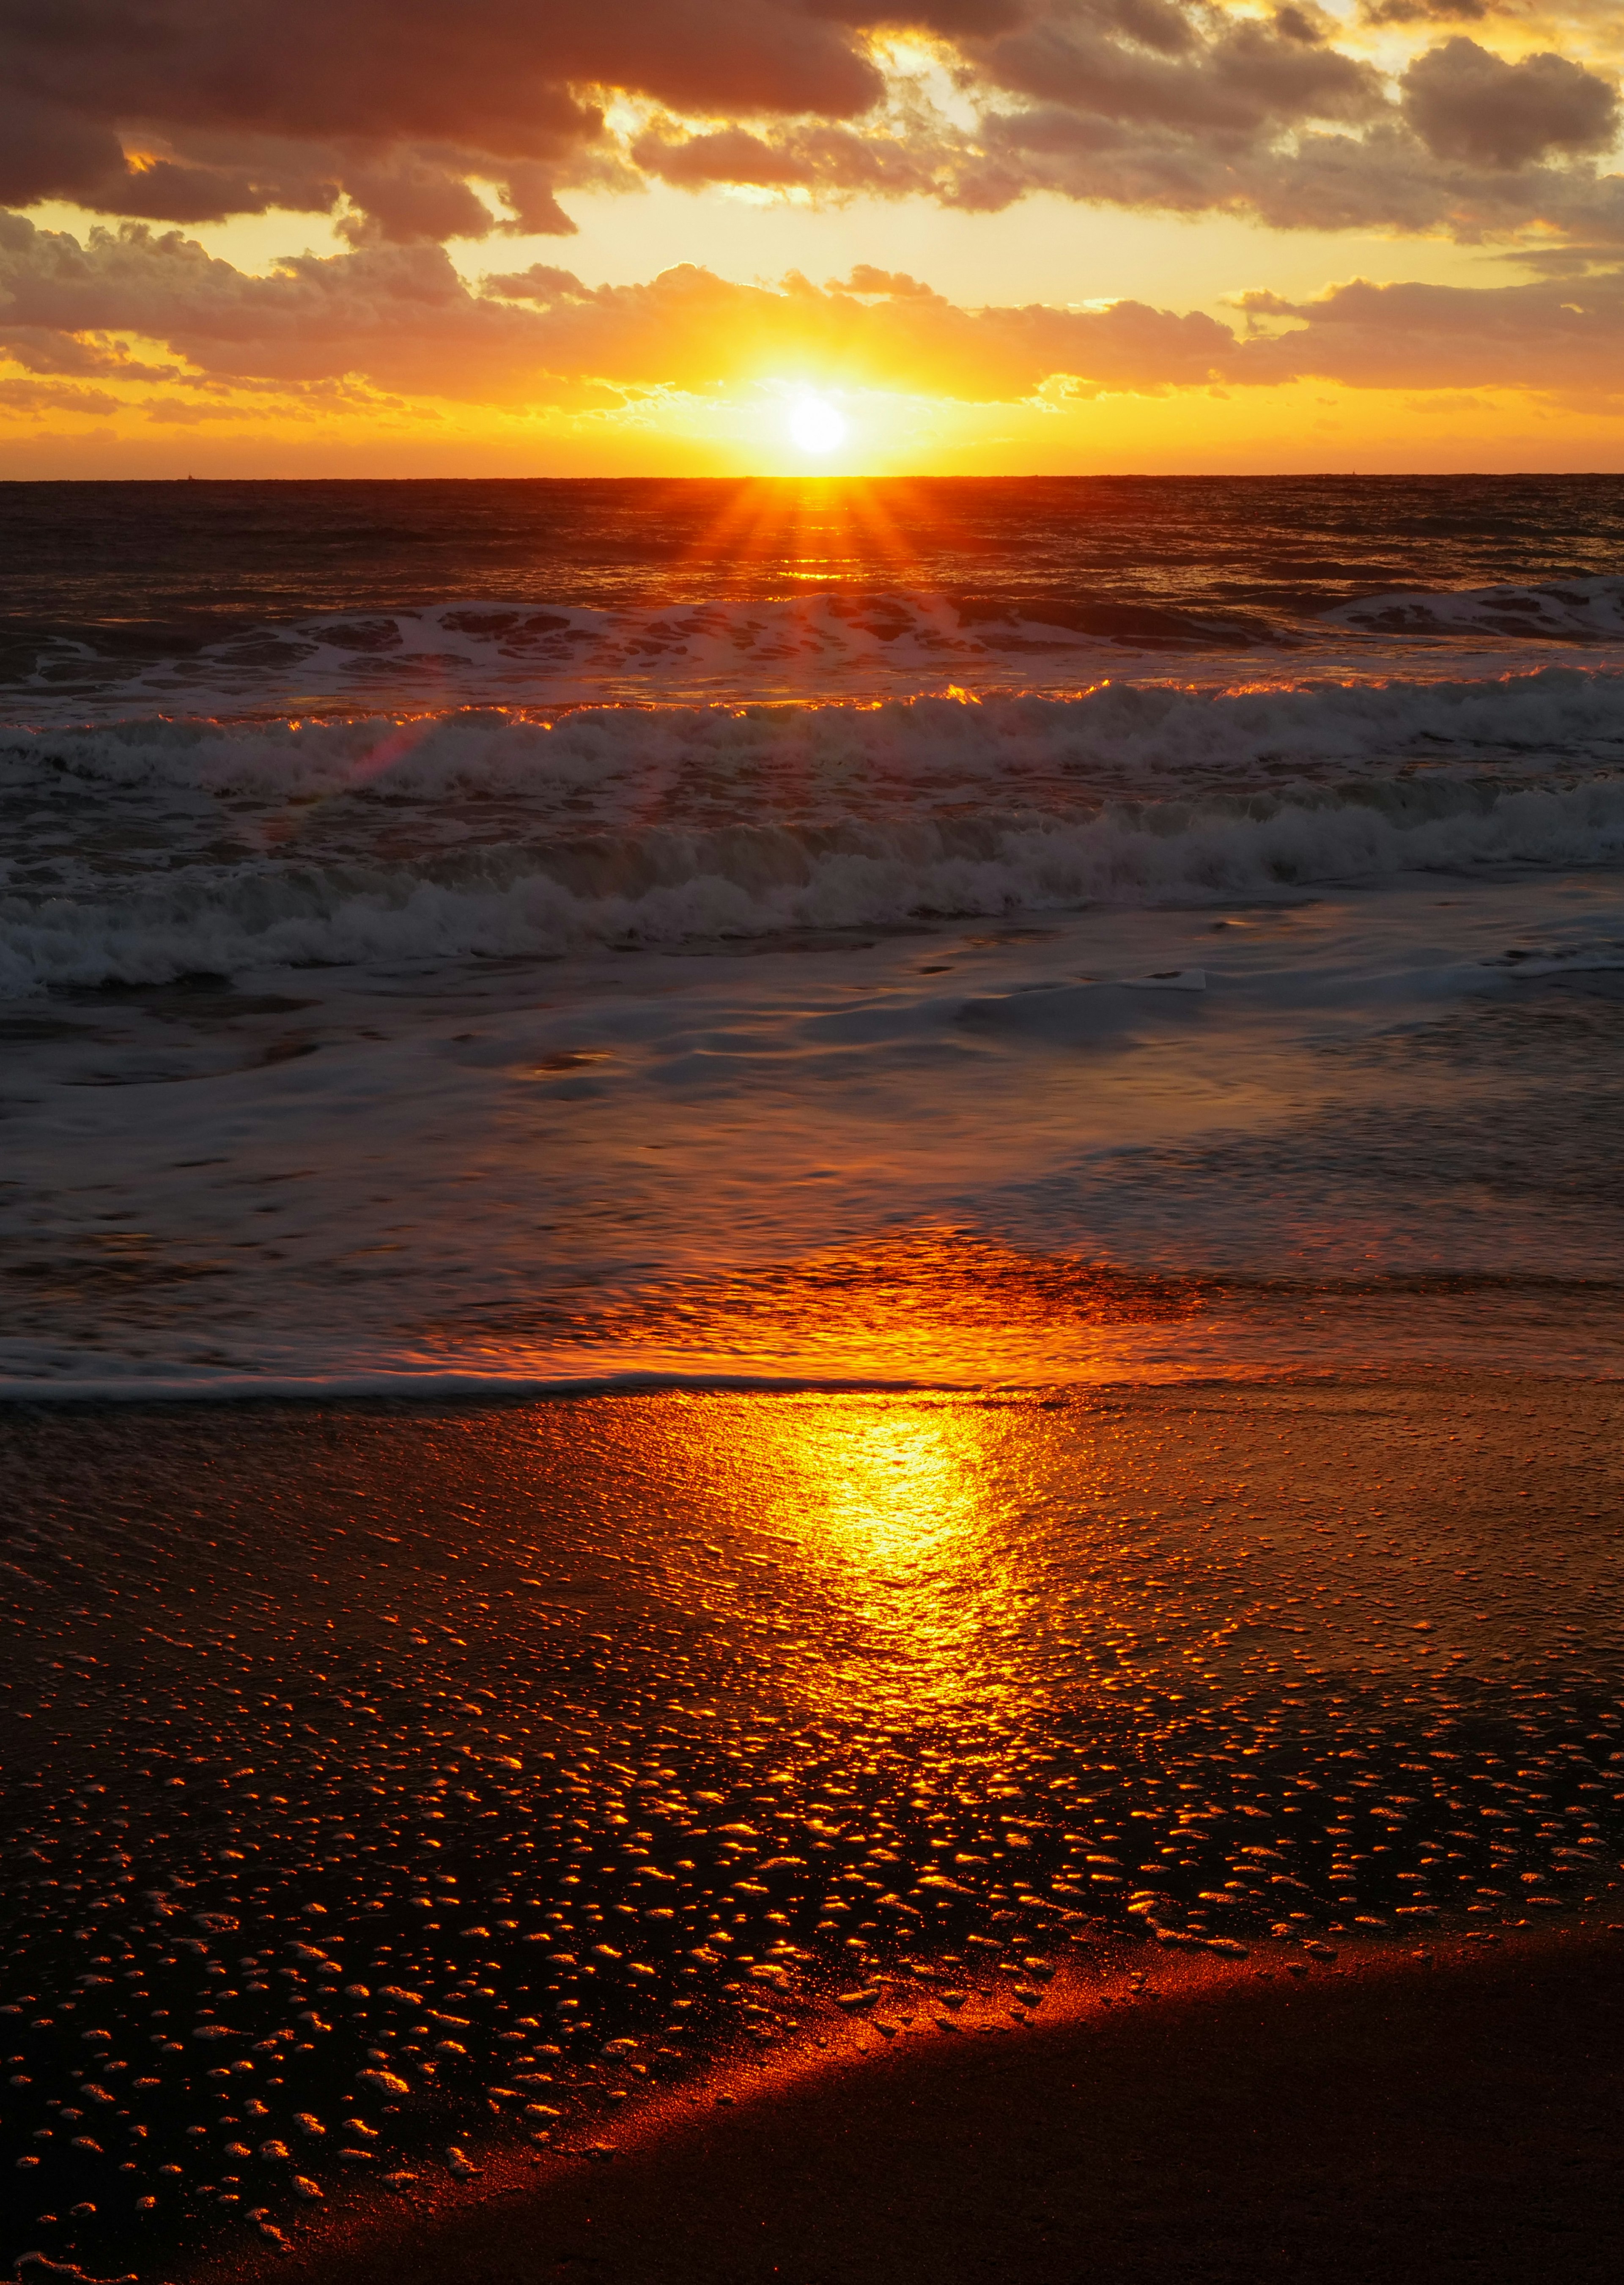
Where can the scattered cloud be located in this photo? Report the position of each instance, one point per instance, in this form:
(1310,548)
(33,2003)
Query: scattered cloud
(412,124)
(694,330)
(37,398)
(1464,103)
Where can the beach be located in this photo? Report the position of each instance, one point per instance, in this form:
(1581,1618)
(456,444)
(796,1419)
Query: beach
(388,1781)
(809,1386)
(1445,2114)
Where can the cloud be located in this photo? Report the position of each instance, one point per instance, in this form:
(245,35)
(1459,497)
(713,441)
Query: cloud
(412,122)
(1434,11)
(1561,339)
(1139,103)
(401,317)
(1383,179)
(1243,77)
(50,397)
(398,314)
(691,329)
(335,333)
(39,349)
(356,96)
(1464,103)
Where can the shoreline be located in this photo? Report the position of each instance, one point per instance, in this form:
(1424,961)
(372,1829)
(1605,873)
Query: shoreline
(248,1394)
(1446,2115)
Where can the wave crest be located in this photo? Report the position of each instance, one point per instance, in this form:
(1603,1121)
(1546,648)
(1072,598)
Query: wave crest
(662,887)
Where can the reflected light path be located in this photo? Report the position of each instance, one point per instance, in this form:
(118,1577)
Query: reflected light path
(898,1518)
(933,1306)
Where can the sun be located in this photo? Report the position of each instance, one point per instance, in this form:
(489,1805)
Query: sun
(816,426)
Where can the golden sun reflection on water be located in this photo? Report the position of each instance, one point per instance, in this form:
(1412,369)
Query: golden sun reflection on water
(896,1512)
(905,1540)
(935,1306)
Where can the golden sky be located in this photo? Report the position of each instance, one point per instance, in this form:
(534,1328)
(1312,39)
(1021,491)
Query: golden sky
(705,237)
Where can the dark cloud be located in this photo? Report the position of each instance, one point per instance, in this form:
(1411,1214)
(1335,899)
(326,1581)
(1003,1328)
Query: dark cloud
(950,18)
(40,350)
(1138,103)
(1247,76)
(810,157)
(1434,11)
(365,87)
(414,123)
(1464,103)
(1384,178)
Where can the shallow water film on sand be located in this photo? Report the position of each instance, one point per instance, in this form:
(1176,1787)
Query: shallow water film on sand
(383,1783)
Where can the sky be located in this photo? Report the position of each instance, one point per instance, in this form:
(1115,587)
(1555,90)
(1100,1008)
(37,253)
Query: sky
(400,238)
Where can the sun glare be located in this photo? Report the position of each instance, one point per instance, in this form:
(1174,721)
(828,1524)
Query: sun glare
(816,425)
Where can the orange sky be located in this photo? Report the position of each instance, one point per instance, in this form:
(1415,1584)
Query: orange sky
(765,235)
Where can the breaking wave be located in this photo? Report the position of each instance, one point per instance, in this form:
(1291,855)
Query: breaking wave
(661,886)
(158,847)
(1117,737)
(816,645)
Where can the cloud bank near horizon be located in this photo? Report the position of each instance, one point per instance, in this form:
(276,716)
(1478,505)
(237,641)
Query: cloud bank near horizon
(402,319)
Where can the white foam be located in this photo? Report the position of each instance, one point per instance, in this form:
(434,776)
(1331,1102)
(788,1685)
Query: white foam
(1118,736)
(661,888)
(473,837)
(1563,610)
(512,1178)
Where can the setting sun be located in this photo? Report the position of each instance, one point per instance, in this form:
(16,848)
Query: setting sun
(816,426)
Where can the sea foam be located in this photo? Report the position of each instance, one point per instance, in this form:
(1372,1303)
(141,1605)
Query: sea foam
(181,846)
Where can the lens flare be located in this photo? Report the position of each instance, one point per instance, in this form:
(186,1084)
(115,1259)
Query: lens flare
(816,426)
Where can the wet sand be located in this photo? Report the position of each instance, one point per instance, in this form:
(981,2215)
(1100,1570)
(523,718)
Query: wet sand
(381,1781)
(1450,2118)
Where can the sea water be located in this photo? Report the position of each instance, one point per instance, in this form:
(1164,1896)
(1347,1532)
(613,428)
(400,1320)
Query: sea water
(461,935)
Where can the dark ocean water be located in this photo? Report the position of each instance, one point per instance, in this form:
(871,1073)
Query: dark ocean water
(214,592)
(441,924)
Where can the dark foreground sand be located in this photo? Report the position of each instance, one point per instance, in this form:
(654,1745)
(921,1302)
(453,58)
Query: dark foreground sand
(1452,2118)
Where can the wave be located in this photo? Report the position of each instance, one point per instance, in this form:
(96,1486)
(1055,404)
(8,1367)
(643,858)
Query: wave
(659,887)
(1119,737)
(1566,610)
(519,653)
(145,850)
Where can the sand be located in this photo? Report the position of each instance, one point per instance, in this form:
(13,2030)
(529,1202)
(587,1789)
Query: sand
(1451,2118)
(553,1759)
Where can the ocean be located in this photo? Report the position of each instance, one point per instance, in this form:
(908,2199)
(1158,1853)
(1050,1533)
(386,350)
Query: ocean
(458,935)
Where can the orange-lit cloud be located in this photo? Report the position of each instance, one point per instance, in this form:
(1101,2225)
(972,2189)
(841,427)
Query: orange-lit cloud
(401,319)
(872,330)
(1565,338)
